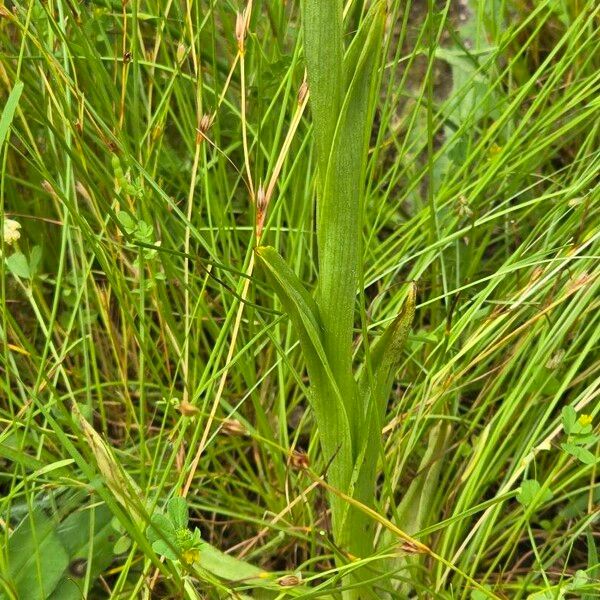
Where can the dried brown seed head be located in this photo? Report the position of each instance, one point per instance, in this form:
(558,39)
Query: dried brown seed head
(289,580)
(299,460)
(206,122)
(233,427)
(302,91)
(187,409)
(412,548)
(47,187)
(180,53)
(240,30)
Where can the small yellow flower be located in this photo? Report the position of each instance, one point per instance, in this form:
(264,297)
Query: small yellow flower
(11,231)
(585,420)
(494,150)
(190,556)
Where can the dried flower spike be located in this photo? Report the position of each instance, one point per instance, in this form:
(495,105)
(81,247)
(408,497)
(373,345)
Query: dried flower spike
(240,30)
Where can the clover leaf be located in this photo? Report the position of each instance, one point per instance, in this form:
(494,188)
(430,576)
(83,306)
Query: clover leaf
(170,536)
(529,491)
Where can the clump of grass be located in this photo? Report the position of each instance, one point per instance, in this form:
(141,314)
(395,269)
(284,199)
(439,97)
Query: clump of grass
(148,149)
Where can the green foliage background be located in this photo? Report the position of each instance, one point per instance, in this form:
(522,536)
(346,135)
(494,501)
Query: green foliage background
(145,355)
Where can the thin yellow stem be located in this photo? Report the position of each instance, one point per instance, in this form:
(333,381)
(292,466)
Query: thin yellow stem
(223,379)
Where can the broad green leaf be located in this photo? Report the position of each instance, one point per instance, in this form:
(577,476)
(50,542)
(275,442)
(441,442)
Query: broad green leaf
(473,95)
(339,212)
(177,510)
(550,594)
(580,579)
(143,231)
(584,440)
(299,305)
(35,258)
(530,491)
(548,383)
(74,533)
(162,534)
(162,548)
(264,584)
(36,557)
(160,527)
(325,398)
(323,50)
(10,451)
(580,453)
(129,224)
(122,545)
(17,264)
(578,505)
(226,566)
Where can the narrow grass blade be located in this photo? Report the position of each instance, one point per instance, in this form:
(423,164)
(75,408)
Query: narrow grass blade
(9,110)
(415,510)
